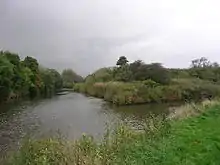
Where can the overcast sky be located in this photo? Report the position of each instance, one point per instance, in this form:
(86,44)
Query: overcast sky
(88,34)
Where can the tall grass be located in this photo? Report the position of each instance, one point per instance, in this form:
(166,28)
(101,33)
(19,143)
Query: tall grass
(194,140)
(147,91)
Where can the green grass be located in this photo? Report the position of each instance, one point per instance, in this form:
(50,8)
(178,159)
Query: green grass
(190,141)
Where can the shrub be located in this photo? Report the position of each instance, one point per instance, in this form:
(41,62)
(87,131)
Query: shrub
(148,91)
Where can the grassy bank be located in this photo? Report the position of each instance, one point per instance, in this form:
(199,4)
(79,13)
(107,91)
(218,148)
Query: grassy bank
(195,139)
(148,91)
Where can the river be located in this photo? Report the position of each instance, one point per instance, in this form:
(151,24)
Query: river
(70,115)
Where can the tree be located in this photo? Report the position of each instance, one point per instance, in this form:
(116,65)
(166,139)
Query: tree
(36,79)
(204,69)
(201,63)
(123,73)
(31,63)
(139,70)
(13,58)
(215,65)
(122,61)
(58,82)
(69,77)
(158,73)
(103,75)
(155,71)
(22,78)
(6,75)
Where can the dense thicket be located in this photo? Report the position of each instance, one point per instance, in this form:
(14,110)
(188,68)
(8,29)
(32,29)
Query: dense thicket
(137,82)
(21,78)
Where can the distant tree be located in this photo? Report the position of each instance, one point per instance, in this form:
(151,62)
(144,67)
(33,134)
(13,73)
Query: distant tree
(155,71)
(201,63)
(52,81)
(215,65)
(58,82)
(139,70)
(122,61)
(135,66)
(204,69)
(158,73)
(69,77)
(103,75)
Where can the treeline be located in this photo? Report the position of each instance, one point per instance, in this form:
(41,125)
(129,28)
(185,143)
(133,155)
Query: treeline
(26,78)
(138,82)
(136,71)
(70,77)
(22,78)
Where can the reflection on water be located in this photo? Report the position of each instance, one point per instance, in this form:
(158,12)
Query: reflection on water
(71,115)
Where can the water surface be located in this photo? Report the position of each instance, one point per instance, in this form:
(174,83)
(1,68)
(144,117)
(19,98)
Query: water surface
(69,115)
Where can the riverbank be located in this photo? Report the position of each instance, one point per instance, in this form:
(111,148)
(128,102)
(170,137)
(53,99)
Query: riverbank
(140,92)
(192,140)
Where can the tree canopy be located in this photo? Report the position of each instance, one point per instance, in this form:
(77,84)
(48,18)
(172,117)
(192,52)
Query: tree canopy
(139,71)
(122,61)
(24,78)
(69,77)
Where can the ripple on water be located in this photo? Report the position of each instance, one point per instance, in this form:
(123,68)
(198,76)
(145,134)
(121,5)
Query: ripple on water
(70,115)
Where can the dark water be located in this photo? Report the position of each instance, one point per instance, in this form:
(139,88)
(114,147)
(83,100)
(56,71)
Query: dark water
(69,115)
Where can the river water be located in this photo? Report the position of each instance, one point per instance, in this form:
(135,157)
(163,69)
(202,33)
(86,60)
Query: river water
(70,115)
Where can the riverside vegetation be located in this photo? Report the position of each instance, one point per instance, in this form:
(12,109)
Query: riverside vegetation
(26,78)
(191,137)
(187,136)
(137,82)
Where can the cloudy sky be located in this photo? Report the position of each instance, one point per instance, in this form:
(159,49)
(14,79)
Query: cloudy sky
(87,34)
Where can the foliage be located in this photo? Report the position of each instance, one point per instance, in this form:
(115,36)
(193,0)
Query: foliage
(155,71)
(204,69)
(101,75)
(42,152)
(24,78)
(123,73)
(122,61)
(138,82)
(194,140)
(31,63)
(148,91)
(136,71)
(201,63)
(179,73)
(70,77)
(52,81)
(6,74)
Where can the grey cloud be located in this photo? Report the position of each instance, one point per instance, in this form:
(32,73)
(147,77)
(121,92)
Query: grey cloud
(88,34)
